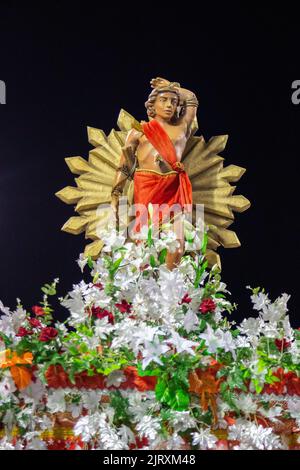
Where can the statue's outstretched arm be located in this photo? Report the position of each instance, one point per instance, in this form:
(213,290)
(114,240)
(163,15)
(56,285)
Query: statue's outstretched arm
(124,170)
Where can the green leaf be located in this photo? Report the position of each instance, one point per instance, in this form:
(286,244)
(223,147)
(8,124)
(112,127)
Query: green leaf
(204,243)
(120,405)
(162,255)
(162,392)
(181,400)
(149,237)
(83,348)
(149,372)
(152,261)
(258,387)
(111,368)
(199,273)
(220,295)
(90,262)
(115,266)
(73,350)
(235,333)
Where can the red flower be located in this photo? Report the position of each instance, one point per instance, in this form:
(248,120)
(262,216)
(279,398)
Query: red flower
(279,388)
(282,344)
(207,305)
(289,384)
(99,312)
(38,311)
(124,307)
(292,383)
(222,444)
(99,285)
(23,332)
(185,299)
(48,333)
(34,322)
(230,420)
(139,443)
(72,443)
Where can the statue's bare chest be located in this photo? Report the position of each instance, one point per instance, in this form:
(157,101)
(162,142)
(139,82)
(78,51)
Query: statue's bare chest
(177,136)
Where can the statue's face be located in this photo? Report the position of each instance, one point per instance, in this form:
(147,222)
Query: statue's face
(165,105)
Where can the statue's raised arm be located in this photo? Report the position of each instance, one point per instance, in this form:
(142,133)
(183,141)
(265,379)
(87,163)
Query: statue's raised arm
(188,100)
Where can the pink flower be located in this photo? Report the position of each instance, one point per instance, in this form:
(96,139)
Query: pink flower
(124,307)
(207,305)
(48,333)
(38,311)
(24,332)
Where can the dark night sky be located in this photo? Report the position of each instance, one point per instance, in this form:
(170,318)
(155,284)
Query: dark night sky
(68,67)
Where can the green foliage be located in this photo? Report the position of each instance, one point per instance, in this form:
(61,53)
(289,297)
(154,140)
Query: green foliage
(90,262)
(49,289)
(120,405)
(199,271)
(147,372)
(167,392)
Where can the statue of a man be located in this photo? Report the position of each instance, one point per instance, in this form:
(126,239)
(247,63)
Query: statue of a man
(158,146)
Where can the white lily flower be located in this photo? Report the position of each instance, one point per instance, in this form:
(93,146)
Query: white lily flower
(204,439)
(181,344)
(152,351)
(191,321)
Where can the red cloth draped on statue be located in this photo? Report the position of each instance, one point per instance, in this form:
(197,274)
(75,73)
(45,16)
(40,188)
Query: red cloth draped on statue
(161,188)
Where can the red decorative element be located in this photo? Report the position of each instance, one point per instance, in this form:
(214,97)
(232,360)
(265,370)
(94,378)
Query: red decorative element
(292,383)
(207,305)
(185,299)
(160,140)
(289,384)
(222,444)
(57,377)
(99,285)
(124,307)
(139,443)
(24,332)
(99,312)
(282,344)
(163,191)
(230,420)
(135,381)
(38,311)
(34,322)
(48,333)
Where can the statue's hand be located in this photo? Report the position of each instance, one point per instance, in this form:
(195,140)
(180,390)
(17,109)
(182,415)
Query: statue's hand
(159,82)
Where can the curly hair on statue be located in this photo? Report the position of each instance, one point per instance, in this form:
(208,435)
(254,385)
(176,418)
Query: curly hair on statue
(149,104)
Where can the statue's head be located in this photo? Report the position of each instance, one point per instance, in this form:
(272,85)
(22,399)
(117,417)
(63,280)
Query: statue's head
(165,103)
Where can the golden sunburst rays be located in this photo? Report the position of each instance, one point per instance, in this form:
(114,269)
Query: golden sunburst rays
(211,187)
(95,181)
(210,181)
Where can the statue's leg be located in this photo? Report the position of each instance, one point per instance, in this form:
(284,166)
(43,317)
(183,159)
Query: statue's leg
(173,259)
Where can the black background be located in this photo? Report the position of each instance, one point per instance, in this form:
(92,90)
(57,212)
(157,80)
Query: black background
(72,65)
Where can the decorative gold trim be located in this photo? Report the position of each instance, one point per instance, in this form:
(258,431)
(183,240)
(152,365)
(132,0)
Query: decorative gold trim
(168,173)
